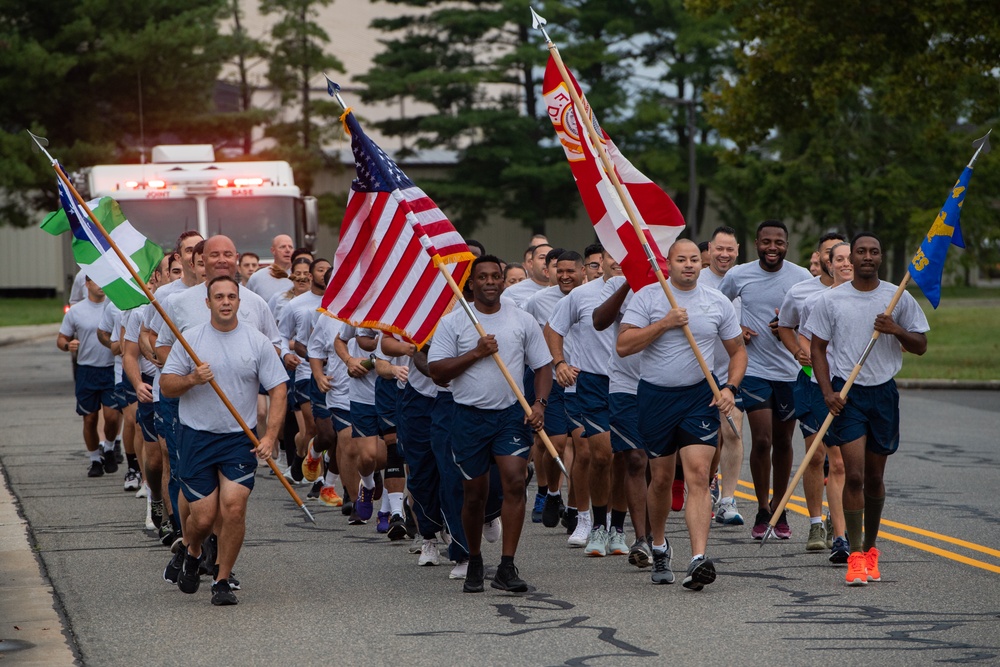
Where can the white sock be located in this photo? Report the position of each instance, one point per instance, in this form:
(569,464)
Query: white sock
(395,503)
(696,557)
(554,493)
(815,519)
(95,455)
(312,452)
(727,500)
(331,479)
(107,446)
(385,504)
(660,547)
(368,481)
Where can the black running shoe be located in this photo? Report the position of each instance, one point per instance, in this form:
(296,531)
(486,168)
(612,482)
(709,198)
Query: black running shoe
(222,594)
(316,488)
(569,519)
(119,455)
(701,572)
(189,579)
(96,469)
(110,464)
(348,505)
(156,512)
(209,550)
(662,574)
(397,528)
(507,579)
(411,523)
(474,577)
(379,485)
(173,568)
(550,513)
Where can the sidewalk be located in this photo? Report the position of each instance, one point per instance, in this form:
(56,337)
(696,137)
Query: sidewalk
(31,631)
(20,334)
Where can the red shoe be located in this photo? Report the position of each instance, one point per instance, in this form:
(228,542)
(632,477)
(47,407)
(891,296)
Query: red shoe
(857,569)
(328,496)
(871,562)
(311,465)
(679,495)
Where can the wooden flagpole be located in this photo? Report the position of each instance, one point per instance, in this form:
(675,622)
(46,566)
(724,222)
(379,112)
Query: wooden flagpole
(173,327)
(584,122)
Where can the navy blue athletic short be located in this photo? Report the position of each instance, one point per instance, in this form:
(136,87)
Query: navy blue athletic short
(145,415)
(386,398)
(592,397)
(573,412)
(95,386)
(318,401)
(810,408)
(204,455)
(478,435)
(761,394)
(872,412)
(624,422)
(556,422)
(674,417)
(364,420)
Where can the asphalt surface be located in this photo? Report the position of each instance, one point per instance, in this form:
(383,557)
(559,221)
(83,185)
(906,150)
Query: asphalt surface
(333,593)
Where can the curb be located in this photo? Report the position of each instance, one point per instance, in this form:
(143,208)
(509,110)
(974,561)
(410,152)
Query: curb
(975,385)
(23,334)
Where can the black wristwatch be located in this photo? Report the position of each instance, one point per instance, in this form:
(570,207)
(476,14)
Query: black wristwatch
(543,401)
(733,388)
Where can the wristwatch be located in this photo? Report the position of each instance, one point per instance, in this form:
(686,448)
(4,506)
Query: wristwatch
(732,387)
(543,401)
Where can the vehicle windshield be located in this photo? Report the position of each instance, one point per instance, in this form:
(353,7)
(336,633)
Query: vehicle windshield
(161,220)
(252,222)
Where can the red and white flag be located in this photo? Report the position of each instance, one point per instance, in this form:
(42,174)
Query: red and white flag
(385,273)
(660,220)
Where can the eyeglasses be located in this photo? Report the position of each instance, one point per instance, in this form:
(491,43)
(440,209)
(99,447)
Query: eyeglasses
(593,266)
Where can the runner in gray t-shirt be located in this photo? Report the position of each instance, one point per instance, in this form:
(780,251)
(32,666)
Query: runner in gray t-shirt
(217,463)
(771,369)
(866,426)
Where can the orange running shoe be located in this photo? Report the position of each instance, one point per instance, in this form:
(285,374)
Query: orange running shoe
(328,496)
(857,569)
(311,465)
(871,562)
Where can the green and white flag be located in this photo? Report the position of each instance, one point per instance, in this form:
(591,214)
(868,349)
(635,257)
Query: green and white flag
(93,253)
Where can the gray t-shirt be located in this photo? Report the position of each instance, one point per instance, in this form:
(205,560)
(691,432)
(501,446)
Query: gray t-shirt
(362,389)
(669,360)
(265,285)
(846,317)
(82,320)
(133,320)
(790,312)
(574,318)
(709,279)
(295,323)
(241,360)
(762,293)
(111,321)
(623,372)
(520,292)
(520,343)
(321,347)
(188,309)
(543,303)
(151,319)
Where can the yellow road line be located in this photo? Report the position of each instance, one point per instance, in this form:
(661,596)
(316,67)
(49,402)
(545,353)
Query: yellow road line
(905,540)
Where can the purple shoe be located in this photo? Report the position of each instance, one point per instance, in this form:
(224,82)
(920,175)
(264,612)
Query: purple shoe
(383,523)
(363,504)
(781,529)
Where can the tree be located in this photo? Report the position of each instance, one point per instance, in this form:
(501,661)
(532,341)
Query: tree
(297,56)
(73,72)
(860,105)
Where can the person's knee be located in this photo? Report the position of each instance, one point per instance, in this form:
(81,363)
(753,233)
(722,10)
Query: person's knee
(854,479)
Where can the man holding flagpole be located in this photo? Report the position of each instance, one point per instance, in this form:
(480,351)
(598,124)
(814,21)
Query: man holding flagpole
(866,425)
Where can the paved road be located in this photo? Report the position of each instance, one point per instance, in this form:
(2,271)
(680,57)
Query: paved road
(333,593)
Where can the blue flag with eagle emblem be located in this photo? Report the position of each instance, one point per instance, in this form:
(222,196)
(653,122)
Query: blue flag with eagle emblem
(927,266)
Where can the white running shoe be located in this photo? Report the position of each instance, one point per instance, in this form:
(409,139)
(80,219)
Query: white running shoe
(584,524)
(417,546)
(459,571)
(149,514)
(492,530)
(429,553)
(132,480)
(143,491)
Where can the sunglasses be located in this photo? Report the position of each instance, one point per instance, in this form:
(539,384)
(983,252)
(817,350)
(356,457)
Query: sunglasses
(593,265)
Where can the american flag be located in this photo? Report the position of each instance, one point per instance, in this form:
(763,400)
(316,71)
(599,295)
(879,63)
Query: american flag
(385,272)
(659,218)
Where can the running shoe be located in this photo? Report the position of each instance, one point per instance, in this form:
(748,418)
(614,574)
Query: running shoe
(700,573)
(119,454)
(411,523)
(817,538)
(857,570)
(143,491)
(679,495)
(871,562)
(347,508)
(474,575)
(379,487)
(397,528)
(459,571)
(616,543)
(536,511)
(96,469)
(173,568)
(189,580)
(581,535)
(429,554)
(492,530)
(315,490)
(727,515)
(209,553)
(328,496)
(661,566)
(382,525)
(760,524)
(597,543)
(110,463)
(234,583)
(149,525)
(355,520)
(640,554)
(713,489)
(417,545)
(781,529)
(828,524)
(156,513)
(311,466)
(551,510)
(132,480)
(222,594)
(569,520)
(839,551)
(363,506)
(507,579)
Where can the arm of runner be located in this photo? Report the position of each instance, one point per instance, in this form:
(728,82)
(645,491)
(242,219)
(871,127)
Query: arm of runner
(354,367)
(606,313)
(275,420)
(632,339)
(104,338)
(915,343)
(737,369)
(130,366)
(565,374)
(175,386)
(397,348)
(790,339)
(543,386)
(446,370)
(66,344)
(319,375)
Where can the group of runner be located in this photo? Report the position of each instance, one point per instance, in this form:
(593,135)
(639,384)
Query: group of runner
(437,437)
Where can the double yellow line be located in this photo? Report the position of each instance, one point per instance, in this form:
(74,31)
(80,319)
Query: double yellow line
(893,537)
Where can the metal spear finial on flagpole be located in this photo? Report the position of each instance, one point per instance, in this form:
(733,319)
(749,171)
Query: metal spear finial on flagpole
(333,89)
(982,145)
(579,110)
